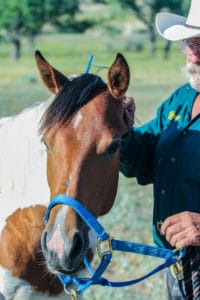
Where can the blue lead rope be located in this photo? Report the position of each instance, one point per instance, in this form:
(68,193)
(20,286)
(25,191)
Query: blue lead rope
(106,246)
(87,70)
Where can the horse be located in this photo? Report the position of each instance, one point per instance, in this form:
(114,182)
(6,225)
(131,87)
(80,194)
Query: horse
(70,145)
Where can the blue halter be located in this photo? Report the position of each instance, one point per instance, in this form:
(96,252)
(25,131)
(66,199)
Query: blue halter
(105,247)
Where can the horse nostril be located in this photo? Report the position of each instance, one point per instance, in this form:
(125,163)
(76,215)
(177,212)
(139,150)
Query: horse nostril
(77,244)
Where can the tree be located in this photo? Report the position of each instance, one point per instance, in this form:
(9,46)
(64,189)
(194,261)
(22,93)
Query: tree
(11,22)
(27,17)
(146,11)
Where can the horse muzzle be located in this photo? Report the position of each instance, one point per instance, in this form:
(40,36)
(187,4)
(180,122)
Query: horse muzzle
(64,254)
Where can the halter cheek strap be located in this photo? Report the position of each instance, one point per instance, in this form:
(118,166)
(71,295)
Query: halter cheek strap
(105,248)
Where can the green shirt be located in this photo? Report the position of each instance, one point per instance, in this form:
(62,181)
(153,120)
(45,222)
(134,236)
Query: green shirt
(166,153)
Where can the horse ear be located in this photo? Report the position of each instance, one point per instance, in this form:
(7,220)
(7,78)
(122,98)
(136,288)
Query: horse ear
(52,78)
(118,77)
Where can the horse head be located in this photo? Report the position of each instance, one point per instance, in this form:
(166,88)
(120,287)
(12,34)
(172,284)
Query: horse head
(82,130)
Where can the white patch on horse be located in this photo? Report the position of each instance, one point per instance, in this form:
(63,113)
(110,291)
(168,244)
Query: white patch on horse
(57,242)
(22,161)
(78,120)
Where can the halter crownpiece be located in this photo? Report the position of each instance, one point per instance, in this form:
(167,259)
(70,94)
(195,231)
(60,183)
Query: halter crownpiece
(106,247)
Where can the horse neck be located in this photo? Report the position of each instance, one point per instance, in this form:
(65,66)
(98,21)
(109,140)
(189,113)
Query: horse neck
(22,161)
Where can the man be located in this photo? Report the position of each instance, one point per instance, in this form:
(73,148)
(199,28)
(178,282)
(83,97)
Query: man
(166,152)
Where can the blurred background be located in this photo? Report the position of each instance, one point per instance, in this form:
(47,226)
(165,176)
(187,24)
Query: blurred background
(67,32)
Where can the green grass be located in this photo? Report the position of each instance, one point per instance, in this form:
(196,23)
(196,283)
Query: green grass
(151,82)
(151,79)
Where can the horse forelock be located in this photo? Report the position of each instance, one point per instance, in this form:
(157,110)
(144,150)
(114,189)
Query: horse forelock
(74,94)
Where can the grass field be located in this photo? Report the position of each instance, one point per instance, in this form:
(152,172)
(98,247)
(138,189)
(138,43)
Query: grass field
(151,82)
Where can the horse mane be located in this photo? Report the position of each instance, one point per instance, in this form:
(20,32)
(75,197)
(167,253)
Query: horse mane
(74,94)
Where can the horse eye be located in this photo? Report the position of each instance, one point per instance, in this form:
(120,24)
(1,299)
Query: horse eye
(114,147)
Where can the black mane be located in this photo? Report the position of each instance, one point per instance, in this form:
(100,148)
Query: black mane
(74,94)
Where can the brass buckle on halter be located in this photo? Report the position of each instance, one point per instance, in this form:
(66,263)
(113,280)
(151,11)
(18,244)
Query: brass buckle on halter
(159,225)
(104,247)
(177,268)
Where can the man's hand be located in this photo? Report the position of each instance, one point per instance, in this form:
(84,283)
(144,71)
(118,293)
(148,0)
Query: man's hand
(129,110)
(182,230)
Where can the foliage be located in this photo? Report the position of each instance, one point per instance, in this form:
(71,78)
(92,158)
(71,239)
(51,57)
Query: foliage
(28,16)
(146,11)
(186,6)
(147,7)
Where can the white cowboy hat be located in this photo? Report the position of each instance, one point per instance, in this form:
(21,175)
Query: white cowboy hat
(175,27)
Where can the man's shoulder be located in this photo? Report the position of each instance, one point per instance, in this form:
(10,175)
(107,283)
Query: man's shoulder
(185,88)
(180,93)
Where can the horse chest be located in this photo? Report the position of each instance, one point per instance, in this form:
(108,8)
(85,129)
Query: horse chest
(18,289)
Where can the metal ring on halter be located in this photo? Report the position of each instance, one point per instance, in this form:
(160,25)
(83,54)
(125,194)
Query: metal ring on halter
(177,270)
(72,293)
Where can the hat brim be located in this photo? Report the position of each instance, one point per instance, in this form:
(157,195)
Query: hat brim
(172,27)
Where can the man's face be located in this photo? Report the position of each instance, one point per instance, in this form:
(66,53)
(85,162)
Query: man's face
(193,50)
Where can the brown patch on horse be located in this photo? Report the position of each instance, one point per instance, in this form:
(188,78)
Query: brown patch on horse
(20,249)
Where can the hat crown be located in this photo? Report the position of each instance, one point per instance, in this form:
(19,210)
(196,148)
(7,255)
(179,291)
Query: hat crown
(193,18)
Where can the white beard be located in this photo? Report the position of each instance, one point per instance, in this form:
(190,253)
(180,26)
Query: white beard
(192,72)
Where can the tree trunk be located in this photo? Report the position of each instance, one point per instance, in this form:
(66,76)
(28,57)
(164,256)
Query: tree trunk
(31,43)
(167,49)
(16,48)
(152,38)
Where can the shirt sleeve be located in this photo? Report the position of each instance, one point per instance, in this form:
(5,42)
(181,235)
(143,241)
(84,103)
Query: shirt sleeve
(139,145)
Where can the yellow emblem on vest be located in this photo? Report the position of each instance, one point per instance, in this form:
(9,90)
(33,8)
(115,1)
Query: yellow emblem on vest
(173,116)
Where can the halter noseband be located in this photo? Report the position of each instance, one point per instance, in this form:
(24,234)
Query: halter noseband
(105,247)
